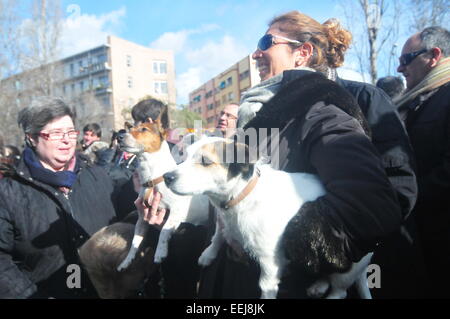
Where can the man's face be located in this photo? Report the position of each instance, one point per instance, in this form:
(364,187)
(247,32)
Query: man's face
(89,137)
(419,67)
(228,119)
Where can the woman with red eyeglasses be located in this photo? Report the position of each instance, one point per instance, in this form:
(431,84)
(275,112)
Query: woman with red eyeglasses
(49,207)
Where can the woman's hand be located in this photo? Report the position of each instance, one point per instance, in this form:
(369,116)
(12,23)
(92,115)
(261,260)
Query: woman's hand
(152,215)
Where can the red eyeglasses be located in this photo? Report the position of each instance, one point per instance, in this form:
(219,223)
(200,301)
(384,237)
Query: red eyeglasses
(57,136)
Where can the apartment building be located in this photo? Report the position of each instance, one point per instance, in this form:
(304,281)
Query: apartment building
(225,88)
(119,74)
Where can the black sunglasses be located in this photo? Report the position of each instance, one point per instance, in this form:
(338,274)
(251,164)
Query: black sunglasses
(268,40)
(407,58)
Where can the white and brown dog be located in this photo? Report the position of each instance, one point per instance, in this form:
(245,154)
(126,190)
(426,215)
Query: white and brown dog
(148,142)
(244,194)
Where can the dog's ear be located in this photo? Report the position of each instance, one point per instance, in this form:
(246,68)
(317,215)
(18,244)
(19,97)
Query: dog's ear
(160,127)
(242,160)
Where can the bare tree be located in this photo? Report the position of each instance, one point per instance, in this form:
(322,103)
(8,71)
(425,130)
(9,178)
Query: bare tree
(375,27)
(425,13)
(28,58)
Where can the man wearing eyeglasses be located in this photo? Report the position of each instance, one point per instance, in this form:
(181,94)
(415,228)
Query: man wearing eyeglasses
(425,109)
(228,119)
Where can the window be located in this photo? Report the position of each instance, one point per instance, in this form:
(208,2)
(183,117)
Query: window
(210,106)
(229,81)
(130,82)
(72,70)
(222,85)
(230,96)
(197,99)
(244,75)
(161,87)
(105,101)
(103,80)
(159,67)
(210,119)
(101,58)
(129,60)
(81,84)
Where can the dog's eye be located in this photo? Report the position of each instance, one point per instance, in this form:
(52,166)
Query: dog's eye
(206,161)
(143,129)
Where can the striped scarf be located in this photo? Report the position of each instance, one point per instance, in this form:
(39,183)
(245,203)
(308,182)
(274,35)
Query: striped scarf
(437,77)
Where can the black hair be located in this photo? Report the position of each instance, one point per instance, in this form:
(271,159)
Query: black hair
(392,85)
(94,128)
(42,111)
(151,108)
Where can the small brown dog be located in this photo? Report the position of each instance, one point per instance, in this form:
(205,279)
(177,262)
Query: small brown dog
(104,251)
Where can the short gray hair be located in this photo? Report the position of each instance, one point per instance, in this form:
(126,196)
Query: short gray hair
(42,111)
(436,37)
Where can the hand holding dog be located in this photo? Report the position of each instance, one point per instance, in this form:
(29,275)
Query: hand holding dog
(152,215)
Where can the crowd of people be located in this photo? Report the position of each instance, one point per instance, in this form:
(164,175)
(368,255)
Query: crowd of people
(381,151)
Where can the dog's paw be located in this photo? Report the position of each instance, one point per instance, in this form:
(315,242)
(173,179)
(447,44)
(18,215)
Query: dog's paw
(124,264)
(318,289)
(206,258)
(269,294)
(160,255)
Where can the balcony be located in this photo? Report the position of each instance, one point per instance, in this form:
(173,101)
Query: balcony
(90,69)
(102,89)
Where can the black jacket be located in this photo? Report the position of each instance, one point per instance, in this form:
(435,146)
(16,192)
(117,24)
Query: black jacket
(390,138)
(41,229)
(427,120)
(322,131)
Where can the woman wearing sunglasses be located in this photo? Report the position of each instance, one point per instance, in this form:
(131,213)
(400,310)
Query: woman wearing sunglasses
(321,131)
(52,204)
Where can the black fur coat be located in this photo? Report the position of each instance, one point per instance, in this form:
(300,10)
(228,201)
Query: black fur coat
(322,131)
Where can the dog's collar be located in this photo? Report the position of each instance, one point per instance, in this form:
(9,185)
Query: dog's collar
(153,182)
(247,190)
(149,189)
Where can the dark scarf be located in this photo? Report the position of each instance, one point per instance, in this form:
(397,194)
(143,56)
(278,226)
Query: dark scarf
(39,172)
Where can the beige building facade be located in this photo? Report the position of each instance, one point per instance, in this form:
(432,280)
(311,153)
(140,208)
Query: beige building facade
(116,76)
(227,87)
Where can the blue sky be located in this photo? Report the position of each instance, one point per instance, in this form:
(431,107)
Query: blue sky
(207,36)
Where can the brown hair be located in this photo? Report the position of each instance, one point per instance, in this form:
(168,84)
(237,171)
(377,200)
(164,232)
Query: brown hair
(330,40)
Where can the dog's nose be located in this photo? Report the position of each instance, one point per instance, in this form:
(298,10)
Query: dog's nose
(120,136)
(169,178)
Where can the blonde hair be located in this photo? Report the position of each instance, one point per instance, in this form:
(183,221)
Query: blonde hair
(330,40)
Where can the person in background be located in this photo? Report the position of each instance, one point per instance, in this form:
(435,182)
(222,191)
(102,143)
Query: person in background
(9,157)
(49,207)
(227,122)
(393,86)
(425,109)
(92,145)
